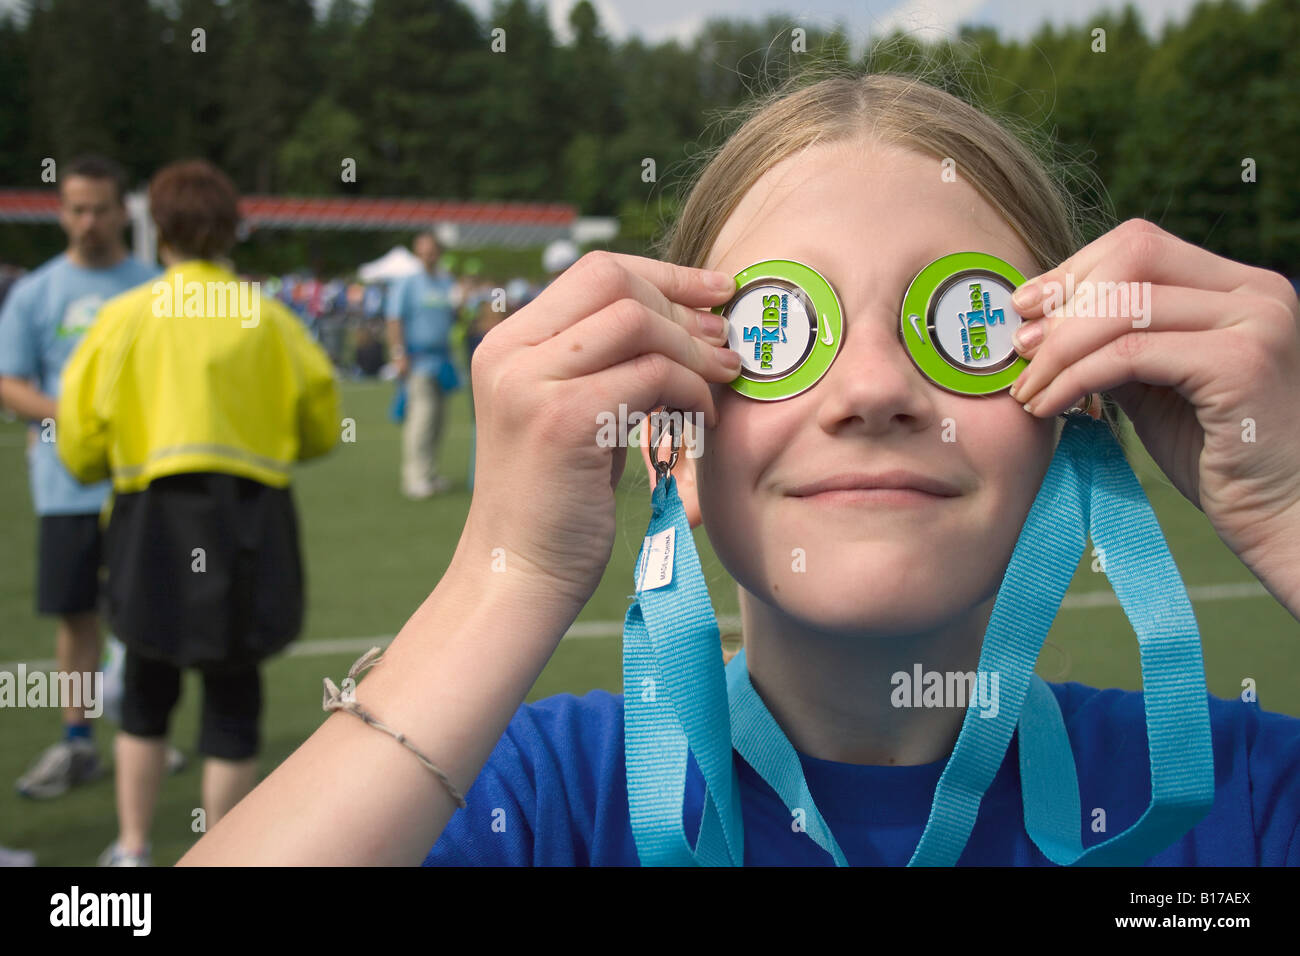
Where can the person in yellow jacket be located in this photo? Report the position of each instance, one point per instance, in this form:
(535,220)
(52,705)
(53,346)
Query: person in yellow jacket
(195,395)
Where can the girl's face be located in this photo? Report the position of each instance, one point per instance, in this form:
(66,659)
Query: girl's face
(868,218)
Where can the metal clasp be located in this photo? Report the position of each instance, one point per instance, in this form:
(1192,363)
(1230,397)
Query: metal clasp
(662,468)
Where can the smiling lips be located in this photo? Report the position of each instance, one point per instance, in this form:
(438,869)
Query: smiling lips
(896,486)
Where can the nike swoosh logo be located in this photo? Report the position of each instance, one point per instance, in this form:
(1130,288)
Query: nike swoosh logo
(916,326)
(827,338)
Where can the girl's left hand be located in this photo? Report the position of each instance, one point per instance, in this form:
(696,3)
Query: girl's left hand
(1205,361)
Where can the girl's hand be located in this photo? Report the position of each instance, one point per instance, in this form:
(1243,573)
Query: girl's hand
(613,329)
(1205,361)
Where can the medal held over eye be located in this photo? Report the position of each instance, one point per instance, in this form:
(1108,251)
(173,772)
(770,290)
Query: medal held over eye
(786,325)
(956,326)
(958,320)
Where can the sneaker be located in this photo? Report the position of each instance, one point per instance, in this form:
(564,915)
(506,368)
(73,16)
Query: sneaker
(62,765)
(418,492)
(10,857)
(175,760)
(428,489)
(116,856)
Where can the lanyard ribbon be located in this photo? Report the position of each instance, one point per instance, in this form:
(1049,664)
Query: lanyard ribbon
(678,697)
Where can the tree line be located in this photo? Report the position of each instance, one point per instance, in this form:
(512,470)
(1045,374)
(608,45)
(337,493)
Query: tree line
(1196,129)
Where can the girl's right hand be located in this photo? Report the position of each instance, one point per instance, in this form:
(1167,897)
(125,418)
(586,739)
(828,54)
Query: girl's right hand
(611,329)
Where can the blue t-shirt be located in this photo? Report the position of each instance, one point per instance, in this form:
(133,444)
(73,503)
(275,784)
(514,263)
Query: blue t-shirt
(427,307)
(44,318)
(554,793)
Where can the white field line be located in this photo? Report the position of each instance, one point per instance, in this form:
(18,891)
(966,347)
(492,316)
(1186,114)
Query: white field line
(607,629)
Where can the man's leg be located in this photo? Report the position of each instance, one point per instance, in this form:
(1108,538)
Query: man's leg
(417,466)
(436,430)
(78,648)
(67,586)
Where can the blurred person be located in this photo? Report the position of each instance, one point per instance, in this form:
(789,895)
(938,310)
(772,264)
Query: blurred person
(421,312)
(368,355)
(483,317)
(196,409)
(44,317)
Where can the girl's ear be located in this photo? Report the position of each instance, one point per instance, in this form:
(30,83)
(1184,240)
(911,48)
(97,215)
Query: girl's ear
(683,471)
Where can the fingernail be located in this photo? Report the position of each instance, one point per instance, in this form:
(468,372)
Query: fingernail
(1028,335)
(720,281)
(712,324)
(729,358)
(1028,295)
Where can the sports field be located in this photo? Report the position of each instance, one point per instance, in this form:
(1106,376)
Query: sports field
(372,556)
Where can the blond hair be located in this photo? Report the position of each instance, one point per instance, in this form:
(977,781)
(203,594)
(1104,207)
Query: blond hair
(891,109)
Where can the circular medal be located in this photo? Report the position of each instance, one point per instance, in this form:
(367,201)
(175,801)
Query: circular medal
(786,324)
(957,322)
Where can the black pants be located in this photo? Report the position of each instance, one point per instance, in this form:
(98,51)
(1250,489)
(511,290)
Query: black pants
(232,705)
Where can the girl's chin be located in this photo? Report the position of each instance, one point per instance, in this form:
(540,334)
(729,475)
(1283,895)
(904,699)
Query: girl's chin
(886,607)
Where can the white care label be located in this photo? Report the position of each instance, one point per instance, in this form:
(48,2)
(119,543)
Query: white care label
(657,563)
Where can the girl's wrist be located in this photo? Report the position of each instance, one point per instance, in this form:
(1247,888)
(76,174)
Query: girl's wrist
(1276,559)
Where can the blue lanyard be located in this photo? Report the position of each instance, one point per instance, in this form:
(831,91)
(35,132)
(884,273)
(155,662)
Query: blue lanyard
(678,696)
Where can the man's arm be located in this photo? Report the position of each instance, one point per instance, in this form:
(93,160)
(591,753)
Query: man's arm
(396,337)
(20,359)
(25,399)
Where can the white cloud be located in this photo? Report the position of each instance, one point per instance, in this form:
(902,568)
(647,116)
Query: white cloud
(925,20)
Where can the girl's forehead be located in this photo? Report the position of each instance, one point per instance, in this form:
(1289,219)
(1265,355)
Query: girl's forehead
(862,205)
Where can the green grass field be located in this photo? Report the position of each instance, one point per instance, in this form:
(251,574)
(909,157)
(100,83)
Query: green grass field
(372,556)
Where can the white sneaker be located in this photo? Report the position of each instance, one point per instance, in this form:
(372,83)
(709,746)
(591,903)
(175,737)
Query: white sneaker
(62,765)
(175,760)
(427,489)
(10,857)
(116,856)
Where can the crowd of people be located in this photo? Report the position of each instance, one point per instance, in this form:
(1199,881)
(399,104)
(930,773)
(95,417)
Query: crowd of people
(143,460)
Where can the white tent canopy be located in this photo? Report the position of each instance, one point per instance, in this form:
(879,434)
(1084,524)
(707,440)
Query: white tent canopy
(397,263)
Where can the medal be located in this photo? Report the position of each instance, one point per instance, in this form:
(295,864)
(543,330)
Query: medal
(786,325)
(957,323)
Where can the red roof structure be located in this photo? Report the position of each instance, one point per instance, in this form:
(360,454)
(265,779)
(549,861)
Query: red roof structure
(476,223)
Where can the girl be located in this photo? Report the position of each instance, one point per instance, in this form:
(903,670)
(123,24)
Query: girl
(845,175)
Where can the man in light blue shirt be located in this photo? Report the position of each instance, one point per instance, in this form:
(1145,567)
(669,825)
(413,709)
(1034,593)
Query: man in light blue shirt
(421,310)
(43,319)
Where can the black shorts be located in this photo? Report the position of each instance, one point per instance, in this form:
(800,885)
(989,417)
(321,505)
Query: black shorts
(232,705)
(69,551)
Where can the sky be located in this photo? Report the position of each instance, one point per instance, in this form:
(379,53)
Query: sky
(927,19)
